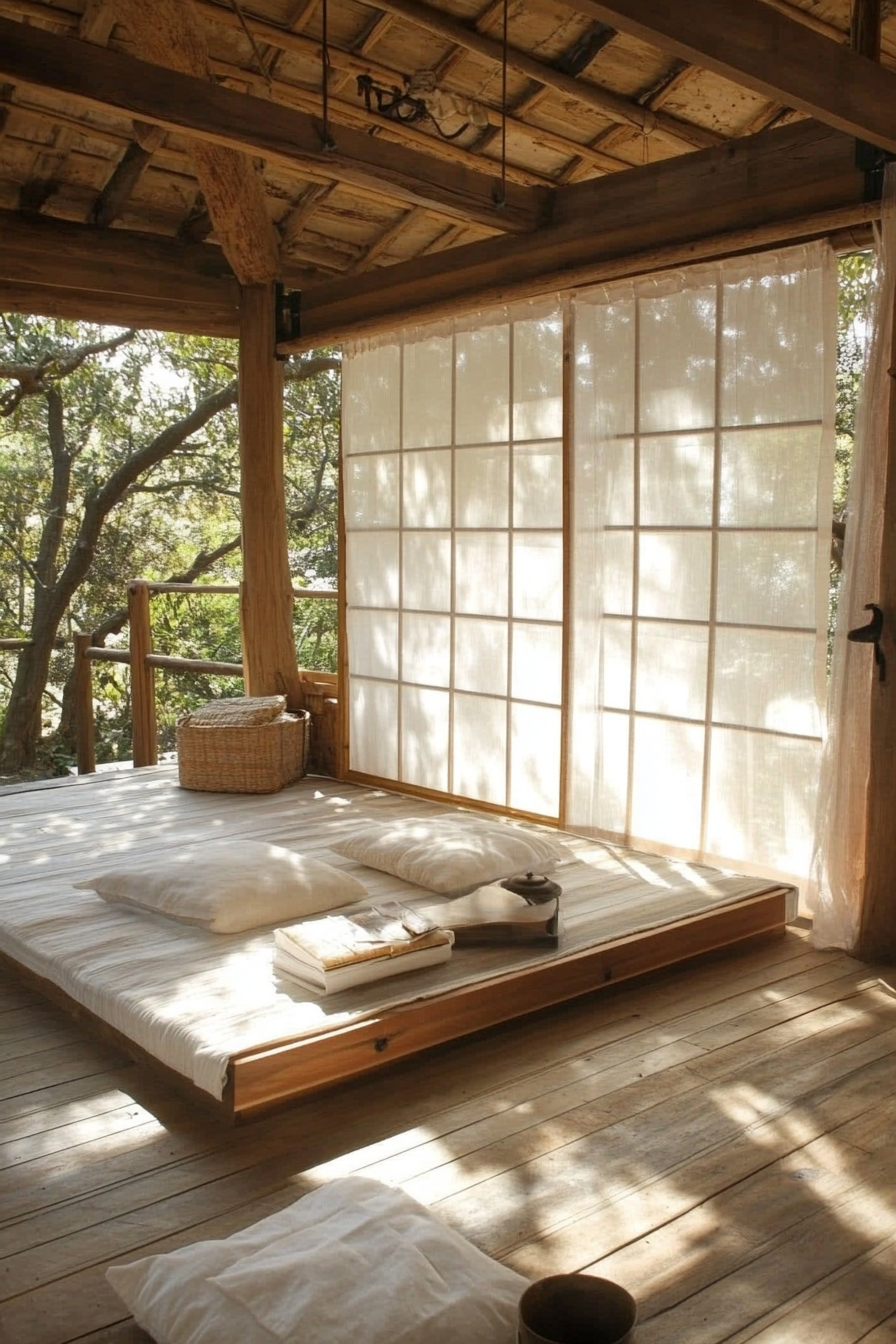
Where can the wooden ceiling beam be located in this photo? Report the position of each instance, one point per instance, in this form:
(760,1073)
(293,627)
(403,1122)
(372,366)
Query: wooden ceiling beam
(350,64)
(775,185)
(611,105)
(757,46)
(126,174)
(52,252)
(220,116)
(124,310)
(347,65)
(170,34)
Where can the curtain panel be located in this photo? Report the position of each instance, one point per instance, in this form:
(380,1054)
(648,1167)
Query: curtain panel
(838,868)
(703,459)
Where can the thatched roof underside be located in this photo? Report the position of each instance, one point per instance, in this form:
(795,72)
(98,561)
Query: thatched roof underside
(489,135)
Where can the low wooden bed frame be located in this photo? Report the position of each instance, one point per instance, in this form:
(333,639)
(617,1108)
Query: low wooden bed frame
(259,1079)
(279,1070)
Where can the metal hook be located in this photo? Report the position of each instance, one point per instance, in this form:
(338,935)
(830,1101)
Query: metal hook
(871,634)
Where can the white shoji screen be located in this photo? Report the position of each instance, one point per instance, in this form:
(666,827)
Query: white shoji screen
(452,443)
(701,542)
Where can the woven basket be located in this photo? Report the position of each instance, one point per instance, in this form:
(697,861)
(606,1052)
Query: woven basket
(223,757)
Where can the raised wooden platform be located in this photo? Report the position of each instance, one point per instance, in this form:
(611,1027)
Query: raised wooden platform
(261,1078)
(55,834)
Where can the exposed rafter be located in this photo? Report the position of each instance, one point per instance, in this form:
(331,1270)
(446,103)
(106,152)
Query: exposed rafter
(127,173)
(757,46)
(296,221)
(221,116)
(385,241)
(350,64)
(47,171)
(97,21)
(610,105)
(169,34)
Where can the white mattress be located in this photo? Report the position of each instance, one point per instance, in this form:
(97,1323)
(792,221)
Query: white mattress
(193,999)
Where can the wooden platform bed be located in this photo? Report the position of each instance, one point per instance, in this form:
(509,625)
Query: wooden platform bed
(209,1007)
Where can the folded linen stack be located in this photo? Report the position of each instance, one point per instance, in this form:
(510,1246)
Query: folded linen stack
(340,951)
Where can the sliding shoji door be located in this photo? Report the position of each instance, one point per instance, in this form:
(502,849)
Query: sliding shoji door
(701,541)
(452,452)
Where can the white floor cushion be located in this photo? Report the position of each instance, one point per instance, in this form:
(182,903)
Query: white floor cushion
(355,1262)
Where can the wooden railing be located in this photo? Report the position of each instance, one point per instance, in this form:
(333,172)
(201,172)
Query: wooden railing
(319,687)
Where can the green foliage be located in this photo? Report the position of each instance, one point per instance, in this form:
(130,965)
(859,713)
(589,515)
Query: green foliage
(856,274)
(115,403)
(855,278)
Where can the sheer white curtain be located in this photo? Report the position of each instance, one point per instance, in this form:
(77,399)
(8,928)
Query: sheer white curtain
(453,503)
(701,534)
(839,860)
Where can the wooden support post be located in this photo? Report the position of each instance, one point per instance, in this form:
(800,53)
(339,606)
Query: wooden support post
(143,677)
(84,737)
(864,33)
(341,746)
(877,933)
(877,929)
(269,651)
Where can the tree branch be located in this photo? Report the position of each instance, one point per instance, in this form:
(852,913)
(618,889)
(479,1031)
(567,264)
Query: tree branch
(205,560)
(57,505)
(34,379)
(166,487)
(20,557)
(310,368)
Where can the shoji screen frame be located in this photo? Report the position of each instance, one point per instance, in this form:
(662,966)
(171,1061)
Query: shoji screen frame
(552,310)
(615,707)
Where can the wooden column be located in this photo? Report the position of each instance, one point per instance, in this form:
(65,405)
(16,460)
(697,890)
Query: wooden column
(269,652)
(877,935)
(864,34)
(84,734)
(877,928)
(143,678)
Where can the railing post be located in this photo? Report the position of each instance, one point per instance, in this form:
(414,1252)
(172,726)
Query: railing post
(143,677)
(84,740)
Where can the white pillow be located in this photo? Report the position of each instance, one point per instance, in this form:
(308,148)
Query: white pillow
(352,1262)
(228,886)
(451,855)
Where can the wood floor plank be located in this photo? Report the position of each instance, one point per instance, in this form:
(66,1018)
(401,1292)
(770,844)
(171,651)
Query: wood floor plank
(631,1049)
(718,1137)
(644,1146)
(75,1057)
(619,1220)
(517,1138)
(822,1249)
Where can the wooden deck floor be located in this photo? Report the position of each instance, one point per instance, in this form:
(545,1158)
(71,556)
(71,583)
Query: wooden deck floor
(718,1139)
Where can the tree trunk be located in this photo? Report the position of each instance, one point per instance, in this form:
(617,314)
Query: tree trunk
(22,729)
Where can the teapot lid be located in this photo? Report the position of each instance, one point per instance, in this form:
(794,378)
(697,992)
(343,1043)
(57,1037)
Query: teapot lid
(534,890)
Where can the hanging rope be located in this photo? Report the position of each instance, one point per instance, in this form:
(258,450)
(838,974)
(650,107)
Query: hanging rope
(501,198)
(328,141)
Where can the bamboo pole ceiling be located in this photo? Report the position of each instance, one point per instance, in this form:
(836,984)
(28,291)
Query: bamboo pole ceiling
(144,143)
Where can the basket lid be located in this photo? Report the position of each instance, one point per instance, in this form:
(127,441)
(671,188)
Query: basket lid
(242,711)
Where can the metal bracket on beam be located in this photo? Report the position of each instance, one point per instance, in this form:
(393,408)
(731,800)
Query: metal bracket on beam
(287,315)
(871,160)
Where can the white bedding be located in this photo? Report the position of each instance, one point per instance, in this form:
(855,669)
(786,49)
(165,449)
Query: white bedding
(192,998)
